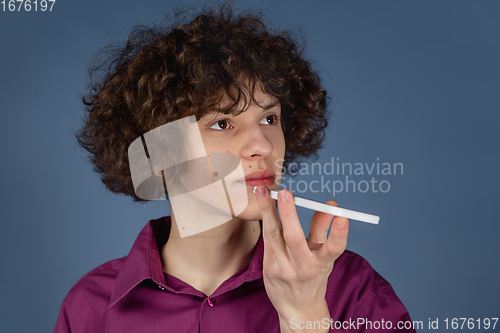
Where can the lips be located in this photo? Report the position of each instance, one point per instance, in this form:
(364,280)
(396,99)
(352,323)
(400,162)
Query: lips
(265,177)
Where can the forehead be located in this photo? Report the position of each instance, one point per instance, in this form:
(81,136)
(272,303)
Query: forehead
(264,100)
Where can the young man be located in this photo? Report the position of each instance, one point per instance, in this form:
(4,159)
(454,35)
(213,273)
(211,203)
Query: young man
(254,96)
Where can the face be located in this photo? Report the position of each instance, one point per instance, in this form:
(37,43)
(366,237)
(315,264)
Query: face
(256,137)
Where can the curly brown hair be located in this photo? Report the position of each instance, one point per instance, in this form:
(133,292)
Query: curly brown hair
(163,74)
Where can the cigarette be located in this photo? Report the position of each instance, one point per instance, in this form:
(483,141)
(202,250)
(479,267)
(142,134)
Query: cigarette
(332,210)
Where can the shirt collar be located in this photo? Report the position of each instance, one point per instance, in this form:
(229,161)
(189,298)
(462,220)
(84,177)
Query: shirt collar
(144,262)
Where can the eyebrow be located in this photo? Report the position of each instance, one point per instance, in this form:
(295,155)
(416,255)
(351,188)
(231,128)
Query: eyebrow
(211,115)
(271,105)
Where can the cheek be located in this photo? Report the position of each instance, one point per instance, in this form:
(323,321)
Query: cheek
(279,145)
(217,145)
(278,156)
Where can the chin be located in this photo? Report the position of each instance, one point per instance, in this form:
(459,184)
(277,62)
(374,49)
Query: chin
(252,212)
(250,216)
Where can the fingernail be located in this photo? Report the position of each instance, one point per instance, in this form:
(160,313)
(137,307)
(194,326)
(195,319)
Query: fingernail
(340,223)
(283,196)
(260,192)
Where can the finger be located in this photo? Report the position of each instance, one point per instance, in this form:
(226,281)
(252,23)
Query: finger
(337,240)
(271,224)
(320,223)
(294,237)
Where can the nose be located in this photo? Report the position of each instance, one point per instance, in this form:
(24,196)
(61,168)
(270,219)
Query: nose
(255,144)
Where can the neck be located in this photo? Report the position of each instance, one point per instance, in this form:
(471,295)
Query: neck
(206,260)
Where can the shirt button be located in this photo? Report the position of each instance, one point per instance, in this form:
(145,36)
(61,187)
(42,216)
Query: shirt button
(211,302)
(161,288)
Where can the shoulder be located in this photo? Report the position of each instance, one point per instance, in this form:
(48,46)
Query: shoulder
(89,298)
(356,290)
(354,268)
(98,282)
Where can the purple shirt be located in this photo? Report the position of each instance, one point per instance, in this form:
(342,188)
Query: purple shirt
(133,294)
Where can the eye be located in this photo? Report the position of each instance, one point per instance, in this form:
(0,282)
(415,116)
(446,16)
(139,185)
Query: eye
(220,125)
(269,120)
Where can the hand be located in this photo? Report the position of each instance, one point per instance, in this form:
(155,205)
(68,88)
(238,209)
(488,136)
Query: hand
(296,270)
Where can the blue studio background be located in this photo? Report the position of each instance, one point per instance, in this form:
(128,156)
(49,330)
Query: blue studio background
(413,82)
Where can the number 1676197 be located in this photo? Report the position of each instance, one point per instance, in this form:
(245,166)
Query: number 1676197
(27,5)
